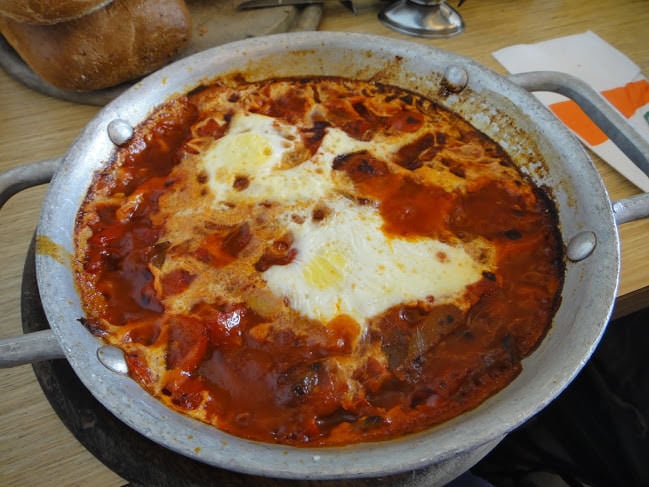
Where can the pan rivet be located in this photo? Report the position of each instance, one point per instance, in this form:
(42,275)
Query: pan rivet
(113,359)
(581,246)
(119,131)
(455,78)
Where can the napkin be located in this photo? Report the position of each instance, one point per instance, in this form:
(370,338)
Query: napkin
(607,70)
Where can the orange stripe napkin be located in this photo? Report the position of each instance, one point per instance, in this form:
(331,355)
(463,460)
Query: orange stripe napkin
(606,69)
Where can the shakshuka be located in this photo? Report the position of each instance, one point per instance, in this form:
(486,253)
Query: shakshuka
(317,262)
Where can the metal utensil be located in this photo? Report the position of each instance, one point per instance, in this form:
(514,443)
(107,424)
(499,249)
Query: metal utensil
(423,18)
(353,5)
(251,4)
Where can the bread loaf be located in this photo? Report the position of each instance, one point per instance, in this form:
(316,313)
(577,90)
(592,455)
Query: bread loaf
(120,42)
(48,11)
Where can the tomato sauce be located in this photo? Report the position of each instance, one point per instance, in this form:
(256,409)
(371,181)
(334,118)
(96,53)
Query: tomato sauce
(233,363)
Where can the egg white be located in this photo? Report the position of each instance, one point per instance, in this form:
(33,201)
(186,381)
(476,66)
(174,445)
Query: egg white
(254,148)
(346,265)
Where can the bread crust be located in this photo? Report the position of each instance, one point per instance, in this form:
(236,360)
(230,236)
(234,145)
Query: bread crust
(48,11)
(123,41)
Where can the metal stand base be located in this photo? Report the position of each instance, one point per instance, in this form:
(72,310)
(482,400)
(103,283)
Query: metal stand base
(422,18)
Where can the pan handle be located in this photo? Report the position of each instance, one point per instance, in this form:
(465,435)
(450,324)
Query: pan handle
(22,177)
(612,123)
(32,347)
(41,345)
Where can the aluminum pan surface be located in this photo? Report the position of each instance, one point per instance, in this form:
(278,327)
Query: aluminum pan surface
(494,105)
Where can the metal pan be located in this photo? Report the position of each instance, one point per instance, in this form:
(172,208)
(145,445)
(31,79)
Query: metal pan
(501,107)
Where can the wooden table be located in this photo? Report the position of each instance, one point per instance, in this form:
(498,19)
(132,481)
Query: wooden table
(35,447)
